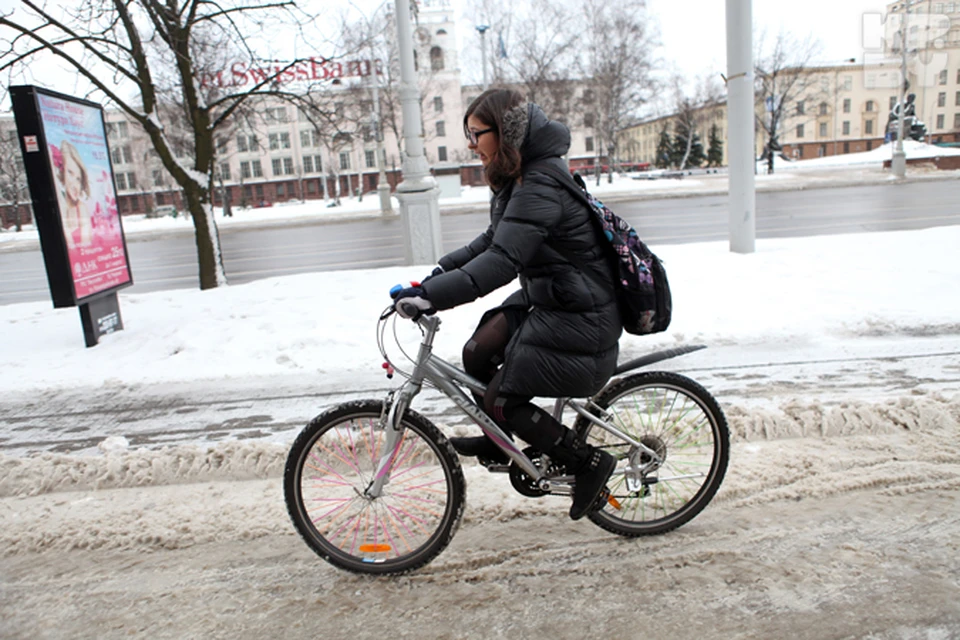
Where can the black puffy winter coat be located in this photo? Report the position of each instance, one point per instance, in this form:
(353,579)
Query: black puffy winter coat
(568,343)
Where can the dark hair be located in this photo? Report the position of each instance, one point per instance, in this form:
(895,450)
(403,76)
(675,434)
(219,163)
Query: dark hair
(489,107)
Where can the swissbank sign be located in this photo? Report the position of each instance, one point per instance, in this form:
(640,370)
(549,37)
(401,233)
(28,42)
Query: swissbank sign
(312,69)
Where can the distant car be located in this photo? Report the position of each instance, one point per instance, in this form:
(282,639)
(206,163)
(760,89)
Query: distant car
(162,211)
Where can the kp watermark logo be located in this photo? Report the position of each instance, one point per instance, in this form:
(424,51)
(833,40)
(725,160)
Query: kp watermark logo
(926,36)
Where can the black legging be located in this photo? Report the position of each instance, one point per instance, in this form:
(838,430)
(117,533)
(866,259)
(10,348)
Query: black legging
(482,356)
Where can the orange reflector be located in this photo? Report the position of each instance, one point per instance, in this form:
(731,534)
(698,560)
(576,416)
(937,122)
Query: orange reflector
(375,548)
(614,502)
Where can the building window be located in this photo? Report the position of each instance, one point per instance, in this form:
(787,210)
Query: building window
(847,83)
(822,151)
(441,154)
(956,121)
(370,157)
(943,77)
(314,162)
(800,108)
(846,105)
(122,155)
(823,129)
(277,167)
(277,114)
(344,160)
(245,170)
(157,178)
(438,103)
(846,127)
(436,59)
(799,130)
(256,168)
(121,182)
(868,127)
(222,146)
(846,147)
(281,190)
(288,166)
(940,120)
(957,99)
(942,99)
(247,143)
(309,138)
(869,105)
(441,129)
(225,170)
(279,141)
(589,143)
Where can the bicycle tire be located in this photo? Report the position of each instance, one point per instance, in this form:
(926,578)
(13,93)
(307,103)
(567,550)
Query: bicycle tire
(331,463)
(672,414)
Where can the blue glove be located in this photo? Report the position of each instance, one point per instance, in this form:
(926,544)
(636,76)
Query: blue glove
(411,303)
(437,271)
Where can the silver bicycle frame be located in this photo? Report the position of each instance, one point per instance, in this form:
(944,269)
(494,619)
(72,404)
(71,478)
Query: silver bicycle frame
(448,379)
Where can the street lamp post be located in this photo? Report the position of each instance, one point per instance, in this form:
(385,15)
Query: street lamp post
(417,192)
(383,186)
(898,163)
(482,29)
(740,122)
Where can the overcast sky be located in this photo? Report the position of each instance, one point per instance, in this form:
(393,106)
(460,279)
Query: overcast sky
(693,32)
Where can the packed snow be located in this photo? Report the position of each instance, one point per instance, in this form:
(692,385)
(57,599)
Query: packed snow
(835,358)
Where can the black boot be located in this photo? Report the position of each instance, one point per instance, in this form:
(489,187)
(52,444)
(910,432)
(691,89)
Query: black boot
(480,447)
(591,468)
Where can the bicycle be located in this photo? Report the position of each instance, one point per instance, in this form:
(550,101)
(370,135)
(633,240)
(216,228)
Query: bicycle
(374,487)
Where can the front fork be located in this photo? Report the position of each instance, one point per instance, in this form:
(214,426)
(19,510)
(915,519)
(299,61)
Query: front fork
(394,406)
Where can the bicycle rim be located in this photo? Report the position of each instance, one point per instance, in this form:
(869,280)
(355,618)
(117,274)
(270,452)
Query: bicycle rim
(334,461)
(679,419)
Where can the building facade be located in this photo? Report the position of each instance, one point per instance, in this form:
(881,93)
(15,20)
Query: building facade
(845,107)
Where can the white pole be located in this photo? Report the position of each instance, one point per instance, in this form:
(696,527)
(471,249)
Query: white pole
(482,28)
(417,192)
(740,126)
(383,186)
(898,164)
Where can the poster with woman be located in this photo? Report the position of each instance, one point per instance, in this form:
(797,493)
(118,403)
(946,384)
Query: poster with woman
(79,157)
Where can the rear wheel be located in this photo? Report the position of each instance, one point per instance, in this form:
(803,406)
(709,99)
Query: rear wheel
(334,460)
(679,420)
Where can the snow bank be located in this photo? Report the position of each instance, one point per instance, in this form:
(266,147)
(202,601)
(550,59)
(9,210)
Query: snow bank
(119,467)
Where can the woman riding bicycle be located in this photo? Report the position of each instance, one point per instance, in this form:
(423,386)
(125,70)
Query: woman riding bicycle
(558,335)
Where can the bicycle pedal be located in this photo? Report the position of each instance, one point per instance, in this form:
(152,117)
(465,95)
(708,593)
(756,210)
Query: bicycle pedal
(495,467)
(603,499)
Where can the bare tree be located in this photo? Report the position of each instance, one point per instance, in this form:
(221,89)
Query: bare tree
(13,175)
(125,47)
(781,77)
(618,45)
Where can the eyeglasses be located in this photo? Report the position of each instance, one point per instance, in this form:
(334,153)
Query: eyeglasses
(474,136)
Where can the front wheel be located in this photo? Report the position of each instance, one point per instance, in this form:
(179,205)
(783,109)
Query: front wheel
(679,420)
(332,463)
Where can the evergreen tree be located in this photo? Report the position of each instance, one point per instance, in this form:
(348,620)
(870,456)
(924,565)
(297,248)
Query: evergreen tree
(715,147)
(664,150)
(697,156)
(677,149)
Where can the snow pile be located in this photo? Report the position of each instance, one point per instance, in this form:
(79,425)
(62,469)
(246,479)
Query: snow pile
(119,468)
(185,496)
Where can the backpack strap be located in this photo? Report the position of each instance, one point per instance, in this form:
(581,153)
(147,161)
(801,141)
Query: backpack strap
(575,185)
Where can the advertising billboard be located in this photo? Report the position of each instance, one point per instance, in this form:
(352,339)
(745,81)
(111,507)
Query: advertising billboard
(70,139)
(67,158)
